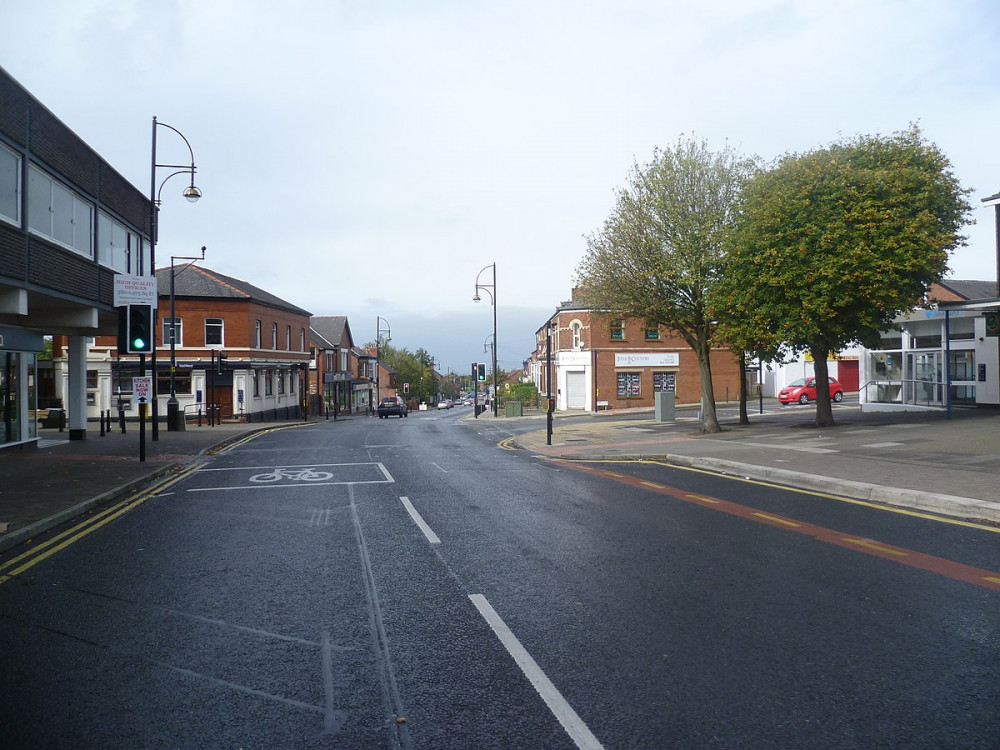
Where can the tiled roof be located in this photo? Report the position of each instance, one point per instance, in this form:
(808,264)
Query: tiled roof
(194,281)
(971,289)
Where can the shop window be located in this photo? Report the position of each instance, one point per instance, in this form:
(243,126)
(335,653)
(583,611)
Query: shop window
(664,382)
(268,383)
(629,385)
(281,381)
(182,382)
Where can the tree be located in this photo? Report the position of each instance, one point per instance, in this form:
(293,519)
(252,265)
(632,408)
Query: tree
(663,246)
(832,245)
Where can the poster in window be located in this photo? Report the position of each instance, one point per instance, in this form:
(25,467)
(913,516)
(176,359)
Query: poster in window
(664,382)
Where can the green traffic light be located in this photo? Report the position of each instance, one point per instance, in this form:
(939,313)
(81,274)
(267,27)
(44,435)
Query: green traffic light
(138,344)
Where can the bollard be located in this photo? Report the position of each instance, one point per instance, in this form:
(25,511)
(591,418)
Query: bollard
(102,422)
(121,419)
(199,415)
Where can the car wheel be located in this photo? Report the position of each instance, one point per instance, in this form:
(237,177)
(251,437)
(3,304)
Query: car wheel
(838,396)
(804,398)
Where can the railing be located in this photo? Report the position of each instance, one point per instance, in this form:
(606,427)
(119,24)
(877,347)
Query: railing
(927,393)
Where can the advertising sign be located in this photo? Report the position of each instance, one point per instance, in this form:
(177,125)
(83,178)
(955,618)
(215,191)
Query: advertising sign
(135,290)
(141,387)
(647,359)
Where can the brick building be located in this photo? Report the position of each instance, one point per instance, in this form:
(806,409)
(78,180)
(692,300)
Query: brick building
(599,362)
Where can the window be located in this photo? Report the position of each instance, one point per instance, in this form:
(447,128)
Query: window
(962,365)
(302,340)
(117,247)
(577,331)
(10,185)
(256,383)
(664,382)
(291,383)
(629,385)
(91,379)
(652,332)
(268,382)
(182,382)
(177,329)
(213,331)
(257,335)
(274,335)
(288,338)
(617,330)
(59,214)
(280,376)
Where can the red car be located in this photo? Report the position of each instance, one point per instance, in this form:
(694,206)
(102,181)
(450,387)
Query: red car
(803,391)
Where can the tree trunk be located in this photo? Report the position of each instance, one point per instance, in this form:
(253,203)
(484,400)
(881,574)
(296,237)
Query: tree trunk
(709,419)
(744,417)
(824,408)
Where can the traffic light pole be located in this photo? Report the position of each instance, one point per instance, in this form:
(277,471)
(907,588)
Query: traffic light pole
(142,413)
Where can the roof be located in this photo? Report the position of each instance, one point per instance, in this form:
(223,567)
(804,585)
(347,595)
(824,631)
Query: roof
(330,329)
(970,289)
(195,281)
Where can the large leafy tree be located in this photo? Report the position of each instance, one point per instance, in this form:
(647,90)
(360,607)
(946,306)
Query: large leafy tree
(662,248)
(832,245)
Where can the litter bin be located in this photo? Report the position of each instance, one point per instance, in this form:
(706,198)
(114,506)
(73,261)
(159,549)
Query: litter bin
(663,406)
(514,409)
(480,409)
(55,418)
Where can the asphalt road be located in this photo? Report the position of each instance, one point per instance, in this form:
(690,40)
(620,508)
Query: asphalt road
(408,583)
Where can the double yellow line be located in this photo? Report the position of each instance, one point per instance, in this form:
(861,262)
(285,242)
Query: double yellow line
(14,567)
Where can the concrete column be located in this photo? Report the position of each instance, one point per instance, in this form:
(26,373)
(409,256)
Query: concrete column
(77,403)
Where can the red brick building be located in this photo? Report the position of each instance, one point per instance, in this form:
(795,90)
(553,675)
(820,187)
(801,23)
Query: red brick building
(599,362)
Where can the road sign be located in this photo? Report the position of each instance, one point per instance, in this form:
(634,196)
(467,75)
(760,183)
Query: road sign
(135,290)
(141,387)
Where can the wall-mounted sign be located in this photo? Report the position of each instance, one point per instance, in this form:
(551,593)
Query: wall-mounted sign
(647,359)
(993,324)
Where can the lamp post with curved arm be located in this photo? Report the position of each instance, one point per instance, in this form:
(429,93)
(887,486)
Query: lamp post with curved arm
(491,289)
(192,193)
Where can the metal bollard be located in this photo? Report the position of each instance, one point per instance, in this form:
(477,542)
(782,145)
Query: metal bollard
(102,422)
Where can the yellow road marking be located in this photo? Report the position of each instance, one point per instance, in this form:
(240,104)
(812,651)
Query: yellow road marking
(654,485)
(703,499)
(74,534)
(877,547)
(991,579)
(777,520)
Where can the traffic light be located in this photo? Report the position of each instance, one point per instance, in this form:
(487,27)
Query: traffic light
(140,329)
(481,372)
(406,387)
(222,360)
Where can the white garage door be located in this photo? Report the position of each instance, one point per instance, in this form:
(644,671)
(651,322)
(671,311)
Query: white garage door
(576,390)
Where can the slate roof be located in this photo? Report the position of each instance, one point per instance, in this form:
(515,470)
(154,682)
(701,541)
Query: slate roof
(968,289)
(330,329)
(196,281)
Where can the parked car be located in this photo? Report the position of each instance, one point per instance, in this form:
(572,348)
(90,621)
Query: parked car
(803,391)
(391,405)
(445,403)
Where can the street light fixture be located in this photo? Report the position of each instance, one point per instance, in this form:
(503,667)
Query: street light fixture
(175,418)
(379,330)
(192,194)
(491,289)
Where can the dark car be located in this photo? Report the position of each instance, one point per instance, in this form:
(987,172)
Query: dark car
(392,405)
(803,391)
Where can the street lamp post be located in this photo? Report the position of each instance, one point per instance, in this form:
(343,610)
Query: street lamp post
(379,330)
(491,289)
(175,418)
(548,383)
(192,193)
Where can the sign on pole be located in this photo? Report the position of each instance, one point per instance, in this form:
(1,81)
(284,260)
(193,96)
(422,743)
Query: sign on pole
(141,387)
(135,290)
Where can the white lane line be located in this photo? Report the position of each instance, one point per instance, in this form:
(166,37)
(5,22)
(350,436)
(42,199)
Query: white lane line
(573,724)
(428,532)
(439,467)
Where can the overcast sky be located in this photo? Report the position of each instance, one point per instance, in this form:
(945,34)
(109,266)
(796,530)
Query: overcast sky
(368,158)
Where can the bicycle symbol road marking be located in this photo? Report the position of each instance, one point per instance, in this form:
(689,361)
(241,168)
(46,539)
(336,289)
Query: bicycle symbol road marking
(295,475)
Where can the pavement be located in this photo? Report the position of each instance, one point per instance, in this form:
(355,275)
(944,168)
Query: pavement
(923,461)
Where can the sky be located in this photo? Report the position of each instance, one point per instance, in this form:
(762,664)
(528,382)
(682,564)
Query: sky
(371,158)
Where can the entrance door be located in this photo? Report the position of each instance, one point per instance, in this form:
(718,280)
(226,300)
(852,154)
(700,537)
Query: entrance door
(923,386)
(576,390)
(223,396)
